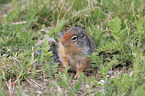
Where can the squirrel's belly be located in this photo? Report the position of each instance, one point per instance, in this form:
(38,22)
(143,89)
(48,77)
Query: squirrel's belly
(74,60)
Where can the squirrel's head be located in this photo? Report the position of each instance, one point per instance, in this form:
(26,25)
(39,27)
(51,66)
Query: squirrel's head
(75,37)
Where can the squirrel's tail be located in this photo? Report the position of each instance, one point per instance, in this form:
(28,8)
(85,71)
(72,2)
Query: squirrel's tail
(54,48)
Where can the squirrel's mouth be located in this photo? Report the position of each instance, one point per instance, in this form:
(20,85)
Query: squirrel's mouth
(65,44)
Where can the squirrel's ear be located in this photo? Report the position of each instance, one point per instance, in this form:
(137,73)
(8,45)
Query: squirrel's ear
(82,31)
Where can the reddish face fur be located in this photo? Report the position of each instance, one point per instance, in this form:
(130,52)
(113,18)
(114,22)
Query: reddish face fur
(68,35)
(67,41)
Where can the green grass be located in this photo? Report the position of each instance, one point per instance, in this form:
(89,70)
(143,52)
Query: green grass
(117,26)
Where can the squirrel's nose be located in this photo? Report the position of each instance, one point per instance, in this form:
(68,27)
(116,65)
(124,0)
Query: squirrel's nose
(63,42)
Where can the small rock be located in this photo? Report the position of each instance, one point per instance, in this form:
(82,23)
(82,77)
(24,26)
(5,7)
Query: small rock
(110,72)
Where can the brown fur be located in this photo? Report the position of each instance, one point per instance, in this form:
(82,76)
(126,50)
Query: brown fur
(74,55)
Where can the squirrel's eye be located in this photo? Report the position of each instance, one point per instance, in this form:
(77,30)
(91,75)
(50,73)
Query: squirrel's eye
(74,38)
